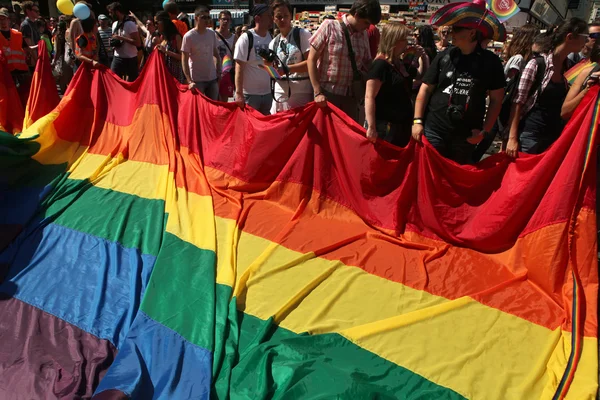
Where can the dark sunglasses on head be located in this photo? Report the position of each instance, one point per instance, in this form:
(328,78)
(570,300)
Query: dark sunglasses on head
(595,35)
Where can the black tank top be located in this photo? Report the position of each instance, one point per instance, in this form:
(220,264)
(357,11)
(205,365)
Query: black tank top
(544,118)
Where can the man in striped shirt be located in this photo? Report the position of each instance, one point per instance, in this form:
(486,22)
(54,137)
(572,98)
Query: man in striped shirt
(330,68)
(105,32)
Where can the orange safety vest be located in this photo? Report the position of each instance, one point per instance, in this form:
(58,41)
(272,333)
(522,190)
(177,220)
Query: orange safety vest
(90,49)
(181,27)
(13,51)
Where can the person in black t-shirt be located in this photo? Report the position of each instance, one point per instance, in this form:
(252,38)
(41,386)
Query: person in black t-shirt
(387,100)
(451,105)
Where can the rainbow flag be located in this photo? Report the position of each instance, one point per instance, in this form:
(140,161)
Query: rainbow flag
(156,245)
(574,71)
(43,95)
(271,71)
(227,63)
(503,9)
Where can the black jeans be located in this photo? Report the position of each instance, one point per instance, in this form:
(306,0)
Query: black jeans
(126,68)
(452,146)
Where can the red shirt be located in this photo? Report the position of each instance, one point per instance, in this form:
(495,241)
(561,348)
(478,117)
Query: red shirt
(374,37)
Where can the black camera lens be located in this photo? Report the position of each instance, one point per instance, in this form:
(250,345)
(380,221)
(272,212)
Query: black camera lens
(455,113)
(266,54)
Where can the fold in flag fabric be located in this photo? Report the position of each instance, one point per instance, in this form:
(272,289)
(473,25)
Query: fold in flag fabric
(43,95)
(11,109)
(160,245)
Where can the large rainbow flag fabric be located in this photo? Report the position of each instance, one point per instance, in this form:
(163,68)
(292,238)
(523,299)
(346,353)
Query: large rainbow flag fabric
(158,245)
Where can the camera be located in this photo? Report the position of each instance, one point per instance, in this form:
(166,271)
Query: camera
(455,113)
(267,54)
(116,43)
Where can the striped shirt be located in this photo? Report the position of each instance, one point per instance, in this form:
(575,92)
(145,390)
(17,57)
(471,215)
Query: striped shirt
(105,35)
(334,65)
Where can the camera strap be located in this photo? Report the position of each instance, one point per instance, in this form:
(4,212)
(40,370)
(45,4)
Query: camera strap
(357,74)
(286,71)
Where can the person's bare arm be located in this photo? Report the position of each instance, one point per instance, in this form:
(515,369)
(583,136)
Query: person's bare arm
(423,96)
(218,65)
(373,87)
(512,146)
(186,69)
(239,83)
(576,94)
(75,30)
(313,73)
(301,66)
(139,24)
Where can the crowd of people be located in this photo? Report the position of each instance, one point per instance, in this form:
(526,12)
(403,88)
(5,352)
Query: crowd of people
(453,91)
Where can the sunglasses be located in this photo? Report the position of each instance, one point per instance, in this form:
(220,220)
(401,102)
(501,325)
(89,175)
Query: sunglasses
(595,35)
(457,29)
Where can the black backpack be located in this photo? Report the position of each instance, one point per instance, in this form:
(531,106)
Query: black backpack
(513,84)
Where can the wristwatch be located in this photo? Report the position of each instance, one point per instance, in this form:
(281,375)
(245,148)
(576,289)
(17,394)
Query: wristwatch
(418,121)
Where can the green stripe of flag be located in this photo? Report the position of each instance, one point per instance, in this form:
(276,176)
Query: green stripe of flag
(265,361)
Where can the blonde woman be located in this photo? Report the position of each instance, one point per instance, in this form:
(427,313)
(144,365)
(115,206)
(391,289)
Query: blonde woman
(388,107)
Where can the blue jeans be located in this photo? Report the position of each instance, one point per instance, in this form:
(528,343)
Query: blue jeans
(260,102)
(452,146)
(533,143)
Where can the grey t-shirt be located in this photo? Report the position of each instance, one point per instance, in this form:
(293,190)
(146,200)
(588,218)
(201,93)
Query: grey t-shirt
(201,48)
(30,31)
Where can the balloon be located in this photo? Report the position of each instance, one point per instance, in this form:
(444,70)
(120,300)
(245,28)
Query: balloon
(81,11)
(65,6)
(165,3)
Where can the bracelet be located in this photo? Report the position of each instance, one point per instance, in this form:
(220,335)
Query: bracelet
(417,121)
(318,94)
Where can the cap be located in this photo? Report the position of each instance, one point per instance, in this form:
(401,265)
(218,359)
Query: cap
(260,9)
(102,16)
(4,12)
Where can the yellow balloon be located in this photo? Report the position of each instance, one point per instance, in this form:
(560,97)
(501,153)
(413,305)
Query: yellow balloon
(65,6)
